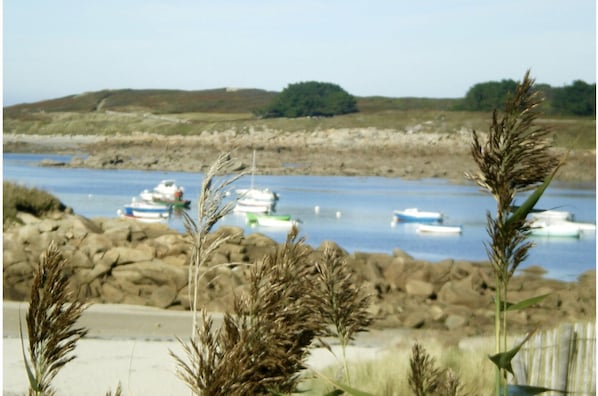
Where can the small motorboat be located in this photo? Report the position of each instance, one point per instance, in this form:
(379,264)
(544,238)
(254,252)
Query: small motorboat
(167,192)
(253,217)
(275,221)
(146,209)
(143,219)
(415,215)
(439,229)
(555,229)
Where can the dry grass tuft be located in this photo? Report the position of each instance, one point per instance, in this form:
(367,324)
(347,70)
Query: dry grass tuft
(425,379)
(51,319)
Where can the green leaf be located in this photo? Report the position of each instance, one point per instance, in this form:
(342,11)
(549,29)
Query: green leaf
(344,388)
(503,359)
(528,390)
(335,392)
(32,381)
(527,207)
(507,306)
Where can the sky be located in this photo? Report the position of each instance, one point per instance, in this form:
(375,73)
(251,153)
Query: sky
(394,48)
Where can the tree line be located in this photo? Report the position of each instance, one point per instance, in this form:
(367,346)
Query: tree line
(577,99)
(321,99)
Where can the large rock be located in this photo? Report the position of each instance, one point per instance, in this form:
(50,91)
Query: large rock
(119,261)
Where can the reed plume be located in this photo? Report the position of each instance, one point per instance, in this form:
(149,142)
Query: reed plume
(51,320)
(262,346)
(211,207)
(342,303)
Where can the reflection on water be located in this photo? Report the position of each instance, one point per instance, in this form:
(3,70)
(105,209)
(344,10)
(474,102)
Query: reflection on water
(355,212)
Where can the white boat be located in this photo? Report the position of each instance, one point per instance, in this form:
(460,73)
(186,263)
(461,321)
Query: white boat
(146,209)
(166,192)
(582,226)
(275,221)
(415,215)
(438,229)
(552,215)
(255,200)
(143,219)
(264,194)
(247,206)
(555,229)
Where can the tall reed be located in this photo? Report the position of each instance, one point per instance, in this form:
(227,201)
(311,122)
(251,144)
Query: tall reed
(51,318)
(262,345)
(211,207)
(342,302)
(515,157)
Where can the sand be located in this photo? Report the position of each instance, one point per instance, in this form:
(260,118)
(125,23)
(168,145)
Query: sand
(131,345)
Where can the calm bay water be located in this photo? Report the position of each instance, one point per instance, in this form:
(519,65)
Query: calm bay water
(355,212)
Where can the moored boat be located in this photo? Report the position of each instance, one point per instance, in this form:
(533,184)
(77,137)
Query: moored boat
(253,217)
(143,218)
(555,229)
(146,209)
(275,221)
(167,192)
(255,200)
(439,229)
(415,215)
(552,215)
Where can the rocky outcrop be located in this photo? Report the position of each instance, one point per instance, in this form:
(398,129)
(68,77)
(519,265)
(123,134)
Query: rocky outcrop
(122,261)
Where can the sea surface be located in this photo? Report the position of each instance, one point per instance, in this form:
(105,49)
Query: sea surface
(354,212)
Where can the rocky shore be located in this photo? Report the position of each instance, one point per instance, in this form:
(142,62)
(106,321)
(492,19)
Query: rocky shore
(413,154)
(119,261)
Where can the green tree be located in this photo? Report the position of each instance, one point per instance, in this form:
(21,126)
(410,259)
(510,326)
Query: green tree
(489,95)
(310,99)
(576,99)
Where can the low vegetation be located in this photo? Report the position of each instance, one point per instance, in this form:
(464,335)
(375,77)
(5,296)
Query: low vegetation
(16,198)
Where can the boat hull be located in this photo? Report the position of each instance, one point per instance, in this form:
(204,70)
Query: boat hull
(439,229)
(414,215)
(274,221)
(556,230)
(253,217)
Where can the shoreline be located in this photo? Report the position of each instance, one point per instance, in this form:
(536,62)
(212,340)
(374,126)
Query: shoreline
(344,152)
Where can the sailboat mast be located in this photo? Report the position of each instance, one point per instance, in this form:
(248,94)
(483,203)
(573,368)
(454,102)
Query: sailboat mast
(252,169)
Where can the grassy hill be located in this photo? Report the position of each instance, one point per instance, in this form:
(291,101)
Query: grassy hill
(181,112)
(223,100)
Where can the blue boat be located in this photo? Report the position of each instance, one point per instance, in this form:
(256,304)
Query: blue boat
(414,215)
(146,209)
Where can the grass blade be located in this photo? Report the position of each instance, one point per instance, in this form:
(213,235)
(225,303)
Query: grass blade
(503,360)
(32,380)
(507,306)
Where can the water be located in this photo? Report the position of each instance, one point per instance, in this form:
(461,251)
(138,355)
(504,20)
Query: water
(355,212)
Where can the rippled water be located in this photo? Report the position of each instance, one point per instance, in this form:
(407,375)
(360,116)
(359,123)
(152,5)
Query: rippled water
(355,212)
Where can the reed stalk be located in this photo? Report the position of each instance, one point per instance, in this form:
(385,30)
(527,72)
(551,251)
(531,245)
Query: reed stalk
(514,158)
(211,207)
(51,318)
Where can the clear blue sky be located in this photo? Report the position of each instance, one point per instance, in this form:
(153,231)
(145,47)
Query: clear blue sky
(393,48)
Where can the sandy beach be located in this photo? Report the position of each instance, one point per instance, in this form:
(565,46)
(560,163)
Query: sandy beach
(131,344)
